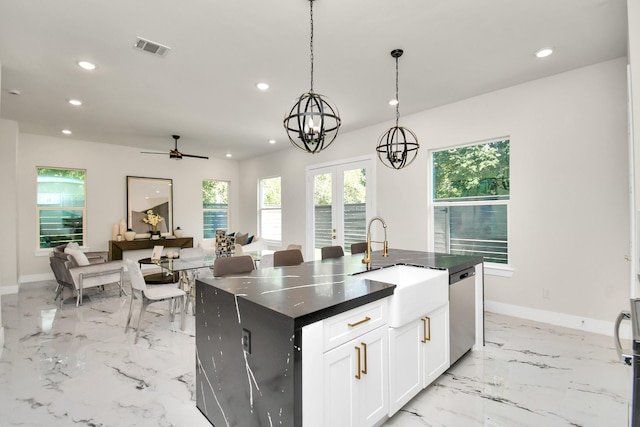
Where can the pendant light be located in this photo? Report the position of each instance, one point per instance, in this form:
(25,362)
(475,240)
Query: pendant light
(313,123)
(398,146)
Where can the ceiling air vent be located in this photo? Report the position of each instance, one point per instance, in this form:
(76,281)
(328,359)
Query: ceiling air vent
(151,47)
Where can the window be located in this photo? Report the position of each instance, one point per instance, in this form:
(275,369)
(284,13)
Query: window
(270,215)
(61,207)
(471,200)
(215,207)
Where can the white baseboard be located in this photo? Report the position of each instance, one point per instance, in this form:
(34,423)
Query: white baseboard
(7,290)
(37,277)
(559,319)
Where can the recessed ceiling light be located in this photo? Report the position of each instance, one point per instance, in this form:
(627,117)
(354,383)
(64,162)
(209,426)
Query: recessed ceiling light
(393,102)
(272,141)
(86,65)
(544,52)
(66,131)
(262,86)
(228,154)
(75,102)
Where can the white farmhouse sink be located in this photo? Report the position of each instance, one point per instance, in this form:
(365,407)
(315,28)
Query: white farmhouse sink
(418,291)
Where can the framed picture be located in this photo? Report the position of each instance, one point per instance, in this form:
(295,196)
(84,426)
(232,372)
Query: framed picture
(149,194)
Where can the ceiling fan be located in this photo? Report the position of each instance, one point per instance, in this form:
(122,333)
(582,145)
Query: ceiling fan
(175,154)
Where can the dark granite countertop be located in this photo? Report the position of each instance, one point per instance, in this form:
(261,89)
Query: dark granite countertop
(316,290)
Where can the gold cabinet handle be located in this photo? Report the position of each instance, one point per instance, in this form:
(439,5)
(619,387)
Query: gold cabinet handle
(358,355)
(427,335)
(364,346)
(360,322)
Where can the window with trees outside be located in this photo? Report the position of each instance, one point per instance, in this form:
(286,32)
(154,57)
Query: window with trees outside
(270,210)
(60,205)
(215,207)
(471,201)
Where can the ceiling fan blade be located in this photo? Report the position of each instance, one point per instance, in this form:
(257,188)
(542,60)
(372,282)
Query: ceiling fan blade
(152,152)
(194,156)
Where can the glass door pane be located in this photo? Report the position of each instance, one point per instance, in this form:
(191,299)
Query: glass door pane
(354,190)
(323,211)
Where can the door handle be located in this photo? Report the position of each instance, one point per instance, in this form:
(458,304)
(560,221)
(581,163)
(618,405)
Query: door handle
(364,346)
(359,367)
(427,335)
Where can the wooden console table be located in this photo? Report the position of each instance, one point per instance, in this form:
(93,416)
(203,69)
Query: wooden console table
(116,248)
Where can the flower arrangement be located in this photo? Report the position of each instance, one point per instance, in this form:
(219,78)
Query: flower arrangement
(153,220)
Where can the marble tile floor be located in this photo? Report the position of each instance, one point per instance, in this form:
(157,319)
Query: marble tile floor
(76,366)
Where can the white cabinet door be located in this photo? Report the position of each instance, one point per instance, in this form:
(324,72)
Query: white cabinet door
(435,327)
(355,381)
(418,354)
(405,360)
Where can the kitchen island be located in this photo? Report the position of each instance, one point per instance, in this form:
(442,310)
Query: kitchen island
(262,338)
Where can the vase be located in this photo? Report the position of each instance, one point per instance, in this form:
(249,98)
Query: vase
(155,234)
(178,232)
(129,235)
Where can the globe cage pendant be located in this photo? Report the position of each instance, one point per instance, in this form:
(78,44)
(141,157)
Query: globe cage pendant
(313,123)
(398,146)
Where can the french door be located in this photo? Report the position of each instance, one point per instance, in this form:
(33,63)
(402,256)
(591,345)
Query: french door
(339,201)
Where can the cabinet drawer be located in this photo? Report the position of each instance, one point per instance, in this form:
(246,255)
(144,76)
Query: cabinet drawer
(343,327)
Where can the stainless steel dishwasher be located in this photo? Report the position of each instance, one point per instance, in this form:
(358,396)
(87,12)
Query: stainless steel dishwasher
(462,313)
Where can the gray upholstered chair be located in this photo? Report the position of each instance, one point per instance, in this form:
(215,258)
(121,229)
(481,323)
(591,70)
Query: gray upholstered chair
(287,257)
(78,270)
(332,252)
(152,294)
(233,265)
(358,248)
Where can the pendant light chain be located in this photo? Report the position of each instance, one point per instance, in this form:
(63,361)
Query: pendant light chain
(313,122)
(311,43)
(397,99)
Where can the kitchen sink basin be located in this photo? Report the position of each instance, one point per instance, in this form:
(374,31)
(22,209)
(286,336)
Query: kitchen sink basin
(418,291)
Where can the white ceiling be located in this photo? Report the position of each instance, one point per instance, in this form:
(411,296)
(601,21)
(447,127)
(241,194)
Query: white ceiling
(203,89)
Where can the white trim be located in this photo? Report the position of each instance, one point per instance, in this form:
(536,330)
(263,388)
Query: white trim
(559,319)
(367,157)
(29,278)
(8,290)
(498,270)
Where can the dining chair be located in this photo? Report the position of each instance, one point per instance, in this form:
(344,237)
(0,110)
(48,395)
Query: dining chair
(287,257)
(358,248)
(332,252)
(233,265)
(150,295)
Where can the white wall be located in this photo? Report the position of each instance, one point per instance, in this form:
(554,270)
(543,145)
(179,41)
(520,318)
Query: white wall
(107,167)
(569,222)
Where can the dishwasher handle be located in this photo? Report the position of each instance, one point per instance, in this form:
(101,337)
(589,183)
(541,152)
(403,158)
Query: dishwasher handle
(461,275)
(625,358)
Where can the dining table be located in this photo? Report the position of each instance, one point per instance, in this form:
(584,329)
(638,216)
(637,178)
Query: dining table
(189,269)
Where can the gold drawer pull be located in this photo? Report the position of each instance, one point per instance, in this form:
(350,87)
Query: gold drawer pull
(364,346)
(427,335)
(358,372)
(366,319)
